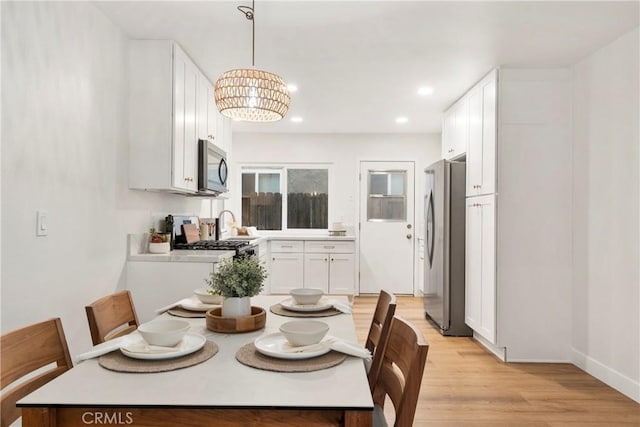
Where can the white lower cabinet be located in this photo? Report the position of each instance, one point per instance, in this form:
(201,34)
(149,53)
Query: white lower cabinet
(319,264)
(316,271)
(341,274)
(480,271)
(286,266)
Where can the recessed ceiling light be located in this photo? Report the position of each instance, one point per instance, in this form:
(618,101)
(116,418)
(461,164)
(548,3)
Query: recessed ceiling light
(425,90)
(402,120)
(292,87)
(296,119)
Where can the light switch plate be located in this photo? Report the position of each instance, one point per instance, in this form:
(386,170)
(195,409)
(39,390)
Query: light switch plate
(42,222)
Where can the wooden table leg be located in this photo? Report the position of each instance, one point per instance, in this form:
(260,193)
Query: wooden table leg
(38,417)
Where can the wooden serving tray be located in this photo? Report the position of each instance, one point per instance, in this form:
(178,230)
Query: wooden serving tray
(234,325)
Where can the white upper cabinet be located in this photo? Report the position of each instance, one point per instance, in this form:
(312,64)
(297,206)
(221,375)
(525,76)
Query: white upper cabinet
(455,132)
(481,149)
(171,107)
(185,121)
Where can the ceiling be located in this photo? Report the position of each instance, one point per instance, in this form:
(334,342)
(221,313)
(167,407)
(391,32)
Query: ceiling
(358,64)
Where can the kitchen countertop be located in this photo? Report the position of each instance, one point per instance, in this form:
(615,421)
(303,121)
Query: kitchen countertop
(183,255)
(137,251)
(137,247)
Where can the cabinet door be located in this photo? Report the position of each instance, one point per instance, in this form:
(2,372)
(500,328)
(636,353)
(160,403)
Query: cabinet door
(461,136)
(481,153)
(489,132)
(474,150)
(203,106)
(316,271)
(448,133)
(212,116)
(185,98)
(286,272)
(455,132)
(341,274)
(480,283)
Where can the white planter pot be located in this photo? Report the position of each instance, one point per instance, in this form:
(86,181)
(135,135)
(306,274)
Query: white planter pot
(236,307)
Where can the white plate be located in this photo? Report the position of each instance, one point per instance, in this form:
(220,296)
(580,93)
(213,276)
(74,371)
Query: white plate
(194,304)
(274,344)
(290,304)
(190,343)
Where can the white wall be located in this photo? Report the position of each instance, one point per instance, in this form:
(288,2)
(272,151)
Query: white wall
(64,149)
(343,152)
(606,185)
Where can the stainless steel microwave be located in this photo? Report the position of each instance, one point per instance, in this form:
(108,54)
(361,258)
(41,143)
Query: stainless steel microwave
(212,169)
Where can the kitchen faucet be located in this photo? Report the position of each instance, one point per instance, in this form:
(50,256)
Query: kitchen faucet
(219,220)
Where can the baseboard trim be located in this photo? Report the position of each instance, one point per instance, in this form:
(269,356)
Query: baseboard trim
(500,352)
(611,377)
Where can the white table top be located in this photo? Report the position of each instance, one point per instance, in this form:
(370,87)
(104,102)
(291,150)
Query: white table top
(220,382)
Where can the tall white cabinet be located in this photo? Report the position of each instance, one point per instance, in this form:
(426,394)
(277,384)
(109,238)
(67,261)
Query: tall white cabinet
(518,242)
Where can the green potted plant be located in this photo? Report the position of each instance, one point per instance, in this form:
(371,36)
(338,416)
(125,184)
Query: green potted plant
(237,280)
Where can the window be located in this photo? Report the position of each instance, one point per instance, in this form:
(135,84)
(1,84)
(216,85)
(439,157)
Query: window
(387,199)
(285,198)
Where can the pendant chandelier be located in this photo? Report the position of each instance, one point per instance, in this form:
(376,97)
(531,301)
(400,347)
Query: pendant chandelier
(248,94)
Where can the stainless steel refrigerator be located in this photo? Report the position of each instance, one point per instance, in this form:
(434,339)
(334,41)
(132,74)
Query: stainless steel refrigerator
(444,208)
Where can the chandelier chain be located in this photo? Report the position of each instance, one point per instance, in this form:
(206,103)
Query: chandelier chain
(249,13)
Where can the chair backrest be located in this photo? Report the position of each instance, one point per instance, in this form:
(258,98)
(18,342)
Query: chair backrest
(379,331)
(111,316)
(404,359)
(22,352)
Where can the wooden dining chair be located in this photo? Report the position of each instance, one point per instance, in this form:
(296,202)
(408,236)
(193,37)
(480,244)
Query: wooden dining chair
(403,361)
(111,317)
(379,332)
(24,351)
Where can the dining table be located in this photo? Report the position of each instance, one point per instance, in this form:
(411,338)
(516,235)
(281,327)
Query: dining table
(220,391)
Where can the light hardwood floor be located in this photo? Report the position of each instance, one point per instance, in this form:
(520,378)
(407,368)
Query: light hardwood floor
(466,385)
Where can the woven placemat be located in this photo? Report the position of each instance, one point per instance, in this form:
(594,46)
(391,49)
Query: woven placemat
(116,361)
(248,355)
(281,311)
(183,312)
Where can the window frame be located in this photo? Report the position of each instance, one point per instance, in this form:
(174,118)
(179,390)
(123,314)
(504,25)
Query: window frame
(283,169)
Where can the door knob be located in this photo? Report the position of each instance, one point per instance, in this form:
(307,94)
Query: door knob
(408,236)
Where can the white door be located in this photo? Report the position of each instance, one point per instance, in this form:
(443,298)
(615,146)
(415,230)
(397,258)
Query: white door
(387,228)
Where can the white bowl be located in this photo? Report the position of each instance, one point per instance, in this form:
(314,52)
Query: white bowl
(206,298)
(164,332)
(159,248)
(306,296)
(304,332)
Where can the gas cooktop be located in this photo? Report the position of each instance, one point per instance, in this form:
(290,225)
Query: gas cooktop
(231,245)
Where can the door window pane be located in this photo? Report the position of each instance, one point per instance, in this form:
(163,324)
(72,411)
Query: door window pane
(307,198)
(386,199)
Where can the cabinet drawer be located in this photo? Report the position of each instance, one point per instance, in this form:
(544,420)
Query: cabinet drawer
(287,246)
(327,246)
